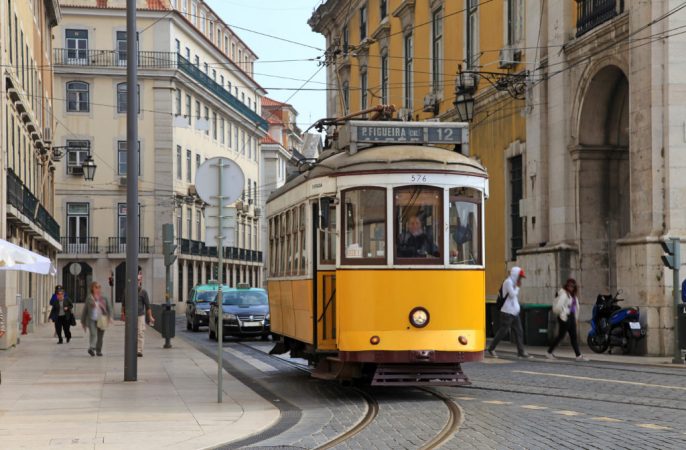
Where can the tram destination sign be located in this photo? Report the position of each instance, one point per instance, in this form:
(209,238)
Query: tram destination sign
(377,132)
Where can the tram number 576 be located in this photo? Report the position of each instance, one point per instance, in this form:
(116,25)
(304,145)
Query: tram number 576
(418,178)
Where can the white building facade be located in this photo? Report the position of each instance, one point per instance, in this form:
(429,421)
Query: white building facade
(196,102)
(603,171)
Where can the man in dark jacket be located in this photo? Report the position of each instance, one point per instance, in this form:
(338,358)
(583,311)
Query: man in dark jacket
(414,243)
(61,313)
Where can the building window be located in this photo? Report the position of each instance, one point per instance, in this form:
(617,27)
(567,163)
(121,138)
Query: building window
(437,48)
(203,22)
(122,98)
(516,194)
(121,48)
(207,119)
(214,74)
(515,20)
(363,88)
(409,61)
(77,152)
(214,125)
(77,46)
(189,159)
(228,134)
(188,54)
(177,46)
(197,110)
(178,163)
(178,102)
(221,80)
(472,33)
(188,109)
(77,222)
(122,211)
(197,163)
(346,96)
(363,23)
(207,68)
(198,227)
(179,223)
(383,8)
(346,39)
(197,61)
(78,96)
(121,157)
(189,222)
(222,131)
(384,77)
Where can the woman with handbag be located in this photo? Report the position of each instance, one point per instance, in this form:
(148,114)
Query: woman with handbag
(96,317)
(566,308)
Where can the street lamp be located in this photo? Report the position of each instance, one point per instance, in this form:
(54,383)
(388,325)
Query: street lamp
(89,167)
(466,84)
(464,106)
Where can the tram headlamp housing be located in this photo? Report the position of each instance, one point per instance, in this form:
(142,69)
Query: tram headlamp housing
(419,317)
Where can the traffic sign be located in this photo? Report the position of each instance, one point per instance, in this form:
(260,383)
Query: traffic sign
(207,181)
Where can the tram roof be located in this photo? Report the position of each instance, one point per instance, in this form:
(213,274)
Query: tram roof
(387,158)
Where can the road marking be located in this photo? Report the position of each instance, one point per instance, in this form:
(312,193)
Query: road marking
(534,407)
(634,383)
(606,419)
(567,413)
(653,426)
(497,402)
(465,398)
(256,363)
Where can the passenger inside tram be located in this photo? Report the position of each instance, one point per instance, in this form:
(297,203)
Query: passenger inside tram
(414,242)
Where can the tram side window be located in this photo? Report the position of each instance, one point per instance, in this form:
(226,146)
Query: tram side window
(303,242)
(418,223)
(272,248)
(296,245)
(364,226)
(465,226)
(327,239)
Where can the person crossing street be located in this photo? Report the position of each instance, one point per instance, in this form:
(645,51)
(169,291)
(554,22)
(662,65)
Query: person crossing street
(509,314)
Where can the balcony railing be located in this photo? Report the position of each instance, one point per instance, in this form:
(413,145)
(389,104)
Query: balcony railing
(20,196)
(79,245)
(191,247)
(118,245)
(198,75)
(155,60)
(113,58)
(591,13)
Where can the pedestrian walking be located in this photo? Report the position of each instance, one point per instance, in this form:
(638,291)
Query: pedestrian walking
(144,312)
(62,314)
(566,308)
(96,318)
(509,314)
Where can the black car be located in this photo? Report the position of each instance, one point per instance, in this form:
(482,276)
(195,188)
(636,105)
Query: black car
(246,313)
(198,305)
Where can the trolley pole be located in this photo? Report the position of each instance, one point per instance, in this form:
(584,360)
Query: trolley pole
(130,354)
(220,279)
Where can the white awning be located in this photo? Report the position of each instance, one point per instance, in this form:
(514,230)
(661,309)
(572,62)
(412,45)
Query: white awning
(13,257)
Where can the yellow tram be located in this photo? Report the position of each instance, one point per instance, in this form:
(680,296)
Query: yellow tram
(376,256)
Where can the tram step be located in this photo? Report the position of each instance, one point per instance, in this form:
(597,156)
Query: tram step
(419,375)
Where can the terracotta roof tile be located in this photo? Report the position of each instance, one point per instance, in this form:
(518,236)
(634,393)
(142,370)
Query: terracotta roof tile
(266,102)
(269,140)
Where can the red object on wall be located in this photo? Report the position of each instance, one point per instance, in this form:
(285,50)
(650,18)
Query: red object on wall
(25,319)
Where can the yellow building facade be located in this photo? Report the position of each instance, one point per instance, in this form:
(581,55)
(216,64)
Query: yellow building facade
(408,53)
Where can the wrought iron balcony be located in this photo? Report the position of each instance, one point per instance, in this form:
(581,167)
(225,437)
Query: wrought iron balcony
(591,13)
(118,245)
(21,197)
(79,245)
(203,79)
(113,58)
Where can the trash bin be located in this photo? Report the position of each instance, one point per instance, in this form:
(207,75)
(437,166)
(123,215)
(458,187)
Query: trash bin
(682,326)
(165,319)
(536,324)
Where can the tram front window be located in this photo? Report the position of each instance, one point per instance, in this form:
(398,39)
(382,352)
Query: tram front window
(364,225)
(418,222)
(465,228)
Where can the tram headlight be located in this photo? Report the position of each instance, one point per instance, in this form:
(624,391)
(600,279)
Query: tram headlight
(419,317)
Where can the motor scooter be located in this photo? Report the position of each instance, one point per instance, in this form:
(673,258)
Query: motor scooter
(614,326)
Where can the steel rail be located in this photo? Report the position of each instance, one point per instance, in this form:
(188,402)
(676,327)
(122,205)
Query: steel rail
(451,427)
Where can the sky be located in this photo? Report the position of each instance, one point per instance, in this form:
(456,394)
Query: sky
(288,20)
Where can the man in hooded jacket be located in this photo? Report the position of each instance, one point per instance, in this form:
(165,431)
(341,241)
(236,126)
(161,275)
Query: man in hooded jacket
(509,314)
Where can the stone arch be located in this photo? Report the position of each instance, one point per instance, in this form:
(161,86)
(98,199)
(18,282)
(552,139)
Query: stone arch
(602,175)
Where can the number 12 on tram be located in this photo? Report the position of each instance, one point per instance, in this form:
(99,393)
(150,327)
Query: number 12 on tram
(376,262)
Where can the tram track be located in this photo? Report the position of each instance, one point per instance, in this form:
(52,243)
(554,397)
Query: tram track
(452,425)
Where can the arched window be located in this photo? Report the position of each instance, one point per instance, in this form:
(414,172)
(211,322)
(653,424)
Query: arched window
(122,99)
(78,96)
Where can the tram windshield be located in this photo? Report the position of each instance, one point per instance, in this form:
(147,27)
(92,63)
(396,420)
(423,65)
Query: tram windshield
(364,226)
(418,219)
(465,229)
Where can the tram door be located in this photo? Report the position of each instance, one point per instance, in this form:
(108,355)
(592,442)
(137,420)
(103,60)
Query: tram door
(325,273)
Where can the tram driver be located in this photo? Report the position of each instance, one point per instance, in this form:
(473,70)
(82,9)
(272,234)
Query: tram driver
(414,243)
